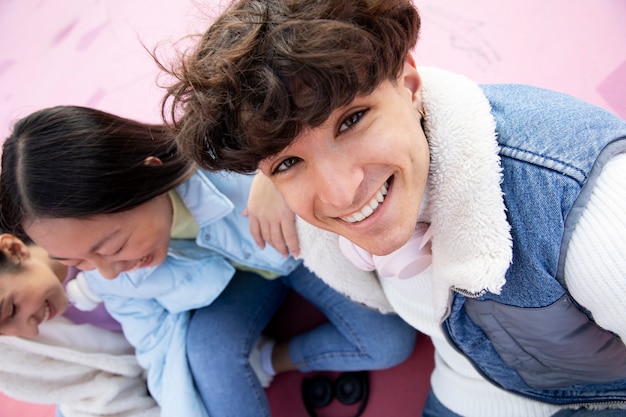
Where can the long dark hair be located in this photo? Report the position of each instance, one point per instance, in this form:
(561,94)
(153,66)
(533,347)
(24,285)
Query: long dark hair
(71,161)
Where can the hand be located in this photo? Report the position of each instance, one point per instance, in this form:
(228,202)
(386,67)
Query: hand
(271,220)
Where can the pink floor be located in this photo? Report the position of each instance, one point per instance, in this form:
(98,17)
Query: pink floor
(89,52)
(12,408)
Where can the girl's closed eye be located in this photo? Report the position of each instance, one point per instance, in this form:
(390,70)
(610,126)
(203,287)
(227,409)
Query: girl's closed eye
(351,120)
(117,251)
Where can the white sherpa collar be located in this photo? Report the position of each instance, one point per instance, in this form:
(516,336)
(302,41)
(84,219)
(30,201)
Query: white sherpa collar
(320,251)
(471,237)
(471,243)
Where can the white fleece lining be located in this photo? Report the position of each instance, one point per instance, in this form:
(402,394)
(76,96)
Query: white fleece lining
(471,244)
(321,254)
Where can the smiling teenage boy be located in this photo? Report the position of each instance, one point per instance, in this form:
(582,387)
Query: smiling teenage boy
(522,189)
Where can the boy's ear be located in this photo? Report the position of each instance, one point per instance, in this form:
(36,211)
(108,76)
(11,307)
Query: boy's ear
(410,59)
(412,80)
(13,247)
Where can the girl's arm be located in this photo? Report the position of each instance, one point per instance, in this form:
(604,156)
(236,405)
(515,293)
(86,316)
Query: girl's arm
(271,220)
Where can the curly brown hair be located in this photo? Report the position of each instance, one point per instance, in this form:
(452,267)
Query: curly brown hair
(267,69)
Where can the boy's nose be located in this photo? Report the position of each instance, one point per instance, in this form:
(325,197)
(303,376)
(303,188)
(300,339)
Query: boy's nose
(337,187)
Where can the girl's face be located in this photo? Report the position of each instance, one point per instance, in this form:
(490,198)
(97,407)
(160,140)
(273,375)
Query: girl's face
(30,295)
(111,243)
(361,174)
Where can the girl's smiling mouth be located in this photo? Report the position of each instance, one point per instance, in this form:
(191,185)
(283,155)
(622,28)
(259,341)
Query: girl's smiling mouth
(143,262)
(370,207)
(49,312)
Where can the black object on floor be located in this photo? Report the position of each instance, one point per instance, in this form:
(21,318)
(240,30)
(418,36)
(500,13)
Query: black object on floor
(349,388)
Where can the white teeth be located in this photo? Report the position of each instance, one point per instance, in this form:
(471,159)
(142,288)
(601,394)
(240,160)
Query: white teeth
(369,208)
(46,314)
(380,195)
(138,264)
(357,217)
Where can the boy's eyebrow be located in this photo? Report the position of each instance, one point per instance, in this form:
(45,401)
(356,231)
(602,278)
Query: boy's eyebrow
(94,248)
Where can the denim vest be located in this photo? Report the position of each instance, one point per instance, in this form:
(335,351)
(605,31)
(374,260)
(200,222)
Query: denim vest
(533,338)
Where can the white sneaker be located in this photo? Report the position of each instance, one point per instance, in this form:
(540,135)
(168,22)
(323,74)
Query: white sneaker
(256,361)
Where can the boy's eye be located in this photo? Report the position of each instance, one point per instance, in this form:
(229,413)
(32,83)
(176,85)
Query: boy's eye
(13,310)
(286,164)
(351,120)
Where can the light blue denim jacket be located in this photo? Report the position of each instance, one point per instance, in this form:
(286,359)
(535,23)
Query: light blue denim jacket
(533,339)
(153,304)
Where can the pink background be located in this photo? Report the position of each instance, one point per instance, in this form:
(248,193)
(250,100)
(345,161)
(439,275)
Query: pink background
(89,52)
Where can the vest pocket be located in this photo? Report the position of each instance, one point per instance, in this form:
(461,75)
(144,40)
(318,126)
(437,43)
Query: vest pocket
(551,347)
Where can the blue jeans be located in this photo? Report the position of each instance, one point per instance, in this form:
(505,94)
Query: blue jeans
(221,335)
(434,408)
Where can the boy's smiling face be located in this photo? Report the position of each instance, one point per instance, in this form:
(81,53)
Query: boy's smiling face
(361,174)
